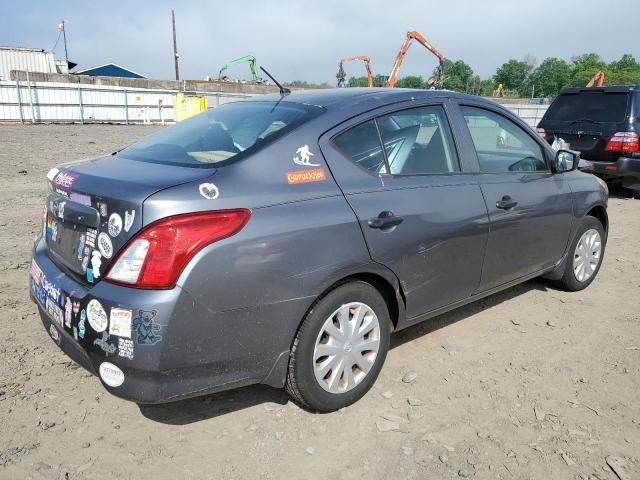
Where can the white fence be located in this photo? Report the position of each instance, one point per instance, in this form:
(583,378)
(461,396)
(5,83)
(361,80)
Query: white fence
(531,114)
(50,102)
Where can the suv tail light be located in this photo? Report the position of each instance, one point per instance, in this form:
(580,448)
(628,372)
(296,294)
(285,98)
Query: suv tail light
(624,142)
(156,256)
(542,132)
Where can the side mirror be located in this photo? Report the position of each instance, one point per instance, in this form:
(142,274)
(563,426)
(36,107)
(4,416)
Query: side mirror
(566,161)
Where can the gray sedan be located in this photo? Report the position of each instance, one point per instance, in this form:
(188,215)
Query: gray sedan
(280,240)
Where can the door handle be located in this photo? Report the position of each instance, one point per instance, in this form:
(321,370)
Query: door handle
(385,220)
(506,203)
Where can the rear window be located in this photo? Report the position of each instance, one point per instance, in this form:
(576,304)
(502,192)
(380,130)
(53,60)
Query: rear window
(224,134)
(594,106)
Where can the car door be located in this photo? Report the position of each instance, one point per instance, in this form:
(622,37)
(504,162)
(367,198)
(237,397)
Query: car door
(530,208)
(420,214)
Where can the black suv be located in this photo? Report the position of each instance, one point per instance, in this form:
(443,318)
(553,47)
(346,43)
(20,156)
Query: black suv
(602,123)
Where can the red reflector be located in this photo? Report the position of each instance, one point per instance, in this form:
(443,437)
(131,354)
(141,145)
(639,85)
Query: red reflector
(624,142)
(174,241)
(611,167)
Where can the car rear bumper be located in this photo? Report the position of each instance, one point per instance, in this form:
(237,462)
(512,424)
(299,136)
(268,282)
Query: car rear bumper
(623,167)
(183,351)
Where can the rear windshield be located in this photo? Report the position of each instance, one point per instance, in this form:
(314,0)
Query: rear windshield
(594,106)
(220,135)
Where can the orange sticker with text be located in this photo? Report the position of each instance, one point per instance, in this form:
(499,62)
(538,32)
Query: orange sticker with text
(306,176)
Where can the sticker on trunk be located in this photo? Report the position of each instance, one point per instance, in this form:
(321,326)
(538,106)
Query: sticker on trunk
(55,334)
(105,246)
(111,374)
(120,322)
(115,225)
(303,157)
(125,348)
(55,312)
(209,191)
(128,219)
(97,316)
(65,180)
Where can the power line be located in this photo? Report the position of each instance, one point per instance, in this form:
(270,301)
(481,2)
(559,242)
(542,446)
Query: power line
(57,40)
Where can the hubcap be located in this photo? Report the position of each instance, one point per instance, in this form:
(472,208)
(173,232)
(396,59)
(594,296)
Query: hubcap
(587,255)
(346,347)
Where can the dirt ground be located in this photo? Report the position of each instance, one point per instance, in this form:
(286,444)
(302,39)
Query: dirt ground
(529,383)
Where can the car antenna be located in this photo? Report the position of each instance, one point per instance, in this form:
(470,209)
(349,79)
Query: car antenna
(283,90)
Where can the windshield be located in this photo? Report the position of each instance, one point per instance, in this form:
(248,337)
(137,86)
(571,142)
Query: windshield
(227,132)
(589,106)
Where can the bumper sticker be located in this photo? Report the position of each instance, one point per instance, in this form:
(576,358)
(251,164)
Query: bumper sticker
(81,327)
(65,180)
(97,316)
(125,348)
(146,329)
(55,334)
(105,246)
(111,375)
(306,176)
(55,312)
(128,219)
(120,322)
(115,225)
(103,343)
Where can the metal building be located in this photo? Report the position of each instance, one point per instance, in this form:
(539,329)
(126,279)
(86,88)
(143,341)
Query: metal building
(29,59)
(110,70)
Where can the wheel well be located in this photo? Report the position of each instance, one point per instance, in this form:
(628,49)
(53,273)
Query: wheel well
(600,213)
(379,283)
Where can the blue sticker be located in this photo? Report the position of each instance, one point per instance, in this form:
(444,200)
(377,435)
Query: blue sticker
(52,290)
(146,329)
(89,275)
(83,317)
(80,247)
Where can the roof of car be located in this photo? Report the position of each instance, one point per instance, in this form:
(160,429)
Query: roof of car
(607,89)
(347,97)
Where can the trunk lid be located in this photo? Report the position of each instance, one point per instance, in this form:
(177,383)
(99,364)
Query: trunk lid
(94,207)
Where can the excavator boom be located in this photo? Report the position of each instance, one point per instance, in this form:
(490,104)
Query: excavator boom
(439,77)
(342,76)
(250,59)
(598,77)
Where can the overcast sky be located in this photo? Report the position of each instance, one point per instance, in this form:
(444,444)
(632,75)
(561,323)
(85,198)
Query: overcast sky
(303,40)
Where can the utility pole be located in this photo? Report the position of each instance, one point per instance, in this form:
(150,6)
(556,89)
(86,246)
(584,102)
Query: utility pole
(175,45)
(64,38)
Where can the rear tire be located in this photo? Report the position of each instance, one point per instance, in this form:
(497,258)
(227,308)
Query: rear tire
(340,348)
(585,256)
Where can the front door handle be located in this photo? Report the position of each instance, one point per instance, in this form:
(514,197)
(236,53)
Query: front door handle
(385,220)
(506,203)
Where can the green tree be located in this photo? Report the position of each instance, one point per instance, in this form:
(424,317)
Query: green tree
(410,81)
(585,66)
(457,75)
(514,75)
(625,71)
(487,87)
(358,82)
(552,75)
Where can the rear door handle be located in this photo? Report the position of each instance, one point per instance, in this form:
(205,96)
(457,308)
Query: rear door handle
(385,220)
(506,203)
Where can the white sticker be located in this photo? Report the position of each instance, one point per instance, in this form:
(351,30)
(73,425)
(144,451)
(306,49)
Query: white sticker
(61,206)
(97,316)
(209,191)
(111,375)
(52,174)
(104,245)
(120,322)
(55,334)
(115,224)
(96,262)
(128,219)
(302,157)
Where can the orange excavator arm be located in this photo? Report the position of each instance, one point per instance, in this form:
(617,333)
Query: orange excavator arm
(598,77)
(341,75)
(403,51)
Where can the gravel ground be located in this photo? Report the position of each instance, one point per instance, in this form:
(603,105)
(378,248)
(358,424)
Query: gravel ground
(529,383)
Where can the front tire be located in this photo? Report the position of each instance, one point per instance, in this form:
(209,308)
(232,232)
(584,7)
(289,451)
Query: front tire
(340,348)
(585,256)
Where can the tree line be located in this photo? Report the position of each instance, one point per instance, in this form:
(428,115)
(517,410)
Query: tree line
(520,78)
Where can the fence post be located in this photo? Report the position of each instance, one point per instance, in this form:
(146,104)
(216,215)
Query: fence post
(33,112)
(126,107)
(80,103)
(19,99)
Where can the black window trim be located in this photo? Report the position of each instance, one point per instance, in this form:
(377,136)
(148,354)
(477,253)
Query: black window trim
(535,138)
(441,103)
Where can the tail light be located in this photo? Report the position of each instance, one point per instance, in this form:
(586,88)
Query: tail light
(624,142)
(542,132)
(156,256)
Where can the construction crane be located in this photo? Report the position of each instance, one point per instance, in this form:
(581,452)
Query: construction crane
(250,59)
(437,80)
(342,76)
(598,77)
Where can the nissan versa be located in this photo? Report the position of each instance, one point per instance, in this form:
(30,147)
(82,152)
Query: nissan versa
(281,239)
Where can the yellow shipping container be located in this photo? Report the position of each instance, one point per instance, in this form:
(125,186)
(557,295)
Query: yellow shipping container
(188,106)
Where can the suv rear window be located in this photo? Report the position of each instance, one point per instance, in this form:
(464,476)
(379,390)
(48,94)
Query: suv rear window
(223,134)
(594,106)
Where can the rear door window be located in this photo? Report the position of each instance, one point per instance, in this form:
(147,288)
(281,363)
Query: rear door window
(417,141)
(501,145)
(594,106)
